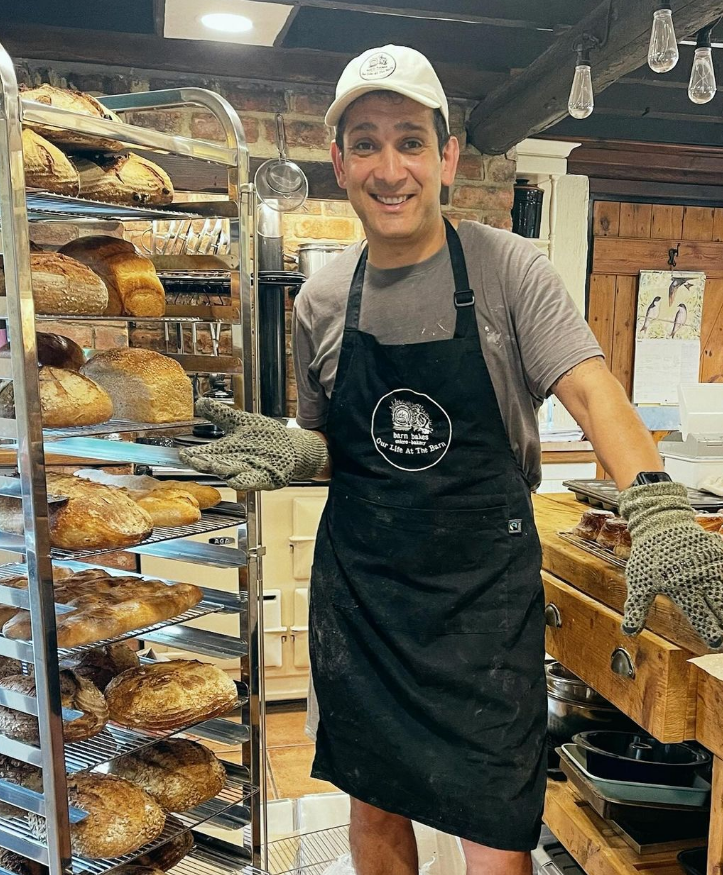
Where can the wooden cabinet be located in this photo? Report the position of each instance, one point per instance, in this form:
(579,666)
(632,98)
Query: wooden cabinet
(647,677)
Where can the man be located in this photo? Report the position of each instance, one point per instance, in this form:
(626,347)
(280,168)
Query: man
(422,358)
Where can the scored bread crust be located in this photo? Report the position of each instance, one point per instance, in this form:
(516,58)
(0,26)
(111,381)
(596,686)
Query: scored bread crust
(122,817)
(102,664)
(133,285)
(127,179)
(179,774)
(46,167)
(62,286)
(144,385)
(169,695)
(169,507)
(74,101)
(67,398)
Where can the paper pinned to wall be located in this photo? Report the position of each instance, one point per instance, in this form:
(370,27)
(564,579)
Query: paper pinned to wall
(667,346)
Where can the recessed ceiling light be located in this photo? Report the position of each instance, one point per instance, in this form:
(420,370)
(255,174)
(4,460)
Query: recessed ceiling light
(227,21)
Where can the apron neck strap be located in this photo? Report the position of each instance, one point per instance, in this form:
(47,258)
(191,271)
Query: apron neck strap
(464,298)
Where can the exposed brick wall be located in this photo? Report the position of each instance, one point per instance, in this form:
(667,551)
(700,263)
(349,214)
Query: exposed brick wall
(483,189)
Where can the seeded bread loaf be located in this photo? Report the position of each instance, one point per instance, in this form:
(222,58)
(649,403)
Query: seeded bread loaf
(46,167)
(133,286)
(144,386)
(121,816)
(67,398)
(123,179)
(169,695)
(63,286)
(18,772)
(13,862)
(179,774)
(75,692)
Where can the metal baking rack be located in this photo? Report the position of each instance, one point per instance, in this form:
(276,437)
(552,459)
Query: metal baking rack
(239,804)
(309,853)
(593,548)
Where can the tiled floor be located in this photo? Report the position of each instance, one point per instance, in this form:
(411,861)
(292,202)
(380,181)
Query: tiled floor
(290,753)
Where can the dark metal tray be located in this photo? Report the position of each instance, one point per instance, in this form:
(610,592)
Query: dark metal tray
(604,494)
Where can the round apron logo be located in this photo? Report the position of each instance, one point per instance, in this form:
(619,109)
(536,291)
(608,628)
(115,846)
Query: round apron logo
(378,66)
(411,430)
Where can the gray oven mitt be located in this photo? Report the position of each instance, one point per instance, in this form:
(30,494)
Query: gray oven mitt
(673,556)
(257,452)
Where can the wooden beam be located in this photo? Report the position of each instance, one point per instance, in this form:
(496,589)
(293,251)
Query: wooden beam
(146,52)
(537,98)
(466,11)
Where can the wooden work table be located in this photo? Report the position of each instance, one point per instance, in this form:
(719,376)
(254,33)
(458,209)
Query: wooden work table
(649,677)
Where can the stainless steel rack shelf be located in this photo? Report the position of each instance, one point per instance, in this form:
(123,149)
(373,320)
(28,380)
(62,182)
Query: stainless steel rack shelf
(226,808)
(200,641)
(207,859)
(308,854)
(115,426)
(45,206)
(184,320)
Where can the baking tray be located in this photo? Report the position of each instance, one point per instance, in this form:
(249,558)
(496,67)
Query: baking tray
(694,862)
(622,792)
(659,838)
(604,494)
(593,548)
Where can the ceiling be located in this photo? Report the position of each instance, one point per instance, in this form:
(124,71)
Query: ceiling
(477,44)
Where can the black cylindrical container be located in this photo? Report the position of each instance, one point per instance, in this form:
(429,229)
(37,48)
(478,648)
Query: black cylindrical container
(272,342)
(527,209)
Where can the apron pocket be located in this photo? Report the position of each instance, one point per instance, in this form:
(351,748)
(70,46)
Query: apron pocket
(425,572)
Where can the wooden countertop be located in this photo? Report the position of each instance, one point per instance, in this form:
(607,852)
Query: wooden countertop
(596,577)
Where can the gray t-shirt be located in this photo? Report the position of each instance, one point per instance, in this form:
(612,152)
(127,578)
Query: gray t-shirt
(531,330)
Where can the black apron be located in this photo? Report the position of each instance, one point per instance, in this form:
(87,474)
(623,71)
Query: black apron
(426,616)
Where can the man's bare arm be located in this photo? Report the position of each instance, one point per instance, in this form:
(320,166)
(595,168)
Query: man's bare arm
(597,401)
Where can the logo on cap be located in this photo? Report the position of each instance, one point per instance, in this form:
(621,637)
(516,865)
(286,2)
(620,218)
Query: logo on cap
(378,66)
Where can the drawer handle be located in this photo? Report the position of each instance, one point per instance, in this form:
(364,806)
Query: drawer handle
(622,663)
(553,617)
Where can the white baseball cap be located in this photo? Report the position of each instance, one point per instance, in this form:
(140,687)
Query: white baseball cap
(389,68)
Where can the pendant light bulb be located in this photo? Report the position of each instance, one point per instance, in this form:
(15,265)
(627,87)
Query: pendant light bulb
(663,50)
(581,102)
(702,84)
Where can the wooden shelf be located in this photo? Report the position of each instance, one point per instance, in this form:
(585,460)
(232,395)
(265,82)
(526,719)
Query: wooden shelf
(591,841)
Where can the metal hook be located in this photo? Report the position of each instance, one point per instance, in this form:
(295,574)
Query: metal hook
(673,254)
(281,135)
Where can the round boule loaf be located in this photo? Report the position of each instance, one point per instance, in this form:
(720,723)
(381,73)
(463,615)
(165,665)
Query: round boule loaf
(170,695)
(122,817)
(123,179)
(101,664)
(62,286)
(46,167)
(179,774)
(75,692)
(67,398)
(172,852)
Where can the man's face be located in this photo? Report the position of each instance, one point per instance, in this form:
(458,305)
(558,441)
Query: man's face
(391,167)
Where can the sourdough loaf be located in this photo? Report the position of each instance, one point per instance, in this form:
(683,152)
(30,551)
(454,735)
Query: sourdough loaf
(67,398)
(169,507)
(144,386)
(75,692)
(133,286)
(18,772)
(20,865)
(102,664)
(179,774)
(171,853)
(54,350)
(46,167)
(206,496)
(63,286)
(121,816)
(169,695)
(123,179)
(74,101)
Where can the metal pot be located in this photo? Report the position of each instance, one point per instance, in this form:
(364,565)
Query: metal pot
(566,718)
(313,256)
(561,682)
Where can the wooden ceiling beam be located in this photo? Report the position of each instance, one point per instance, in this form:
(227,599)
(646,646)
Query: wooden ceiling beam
(536,98)
(148,52)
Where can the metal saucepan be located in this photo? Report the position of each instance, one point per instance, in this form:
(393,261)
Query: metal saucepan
(313,256)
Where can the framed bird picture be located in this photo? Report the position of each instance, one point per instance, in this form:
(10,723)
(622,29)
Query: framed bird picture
(667,345)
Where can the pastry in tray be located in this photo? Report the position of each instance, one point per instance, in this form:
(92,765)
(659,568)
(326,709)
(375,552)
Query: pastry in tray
(591,523)
(711,522)
(122,817)
(169,854)
(170,695)
(74,101)
(179,774)
(67,398)
(206,496)
(75,692)
(614,531)
(46,167)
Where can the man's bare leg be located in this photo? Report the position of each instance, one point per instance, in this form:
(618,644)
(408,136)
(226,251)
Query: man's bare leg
(382,843)
(489,861)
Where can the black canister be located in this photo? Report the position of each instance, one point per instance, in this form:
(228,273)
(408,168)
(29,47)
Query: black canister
(527,209)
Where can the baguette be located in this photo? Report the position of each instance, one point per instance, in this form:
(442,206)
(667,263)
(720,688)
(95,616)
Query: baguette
(179,774)
(145,386)
(121,816)
(75,692)
(133,285)
(170,695)
(63,286)
(101,619)
(123,179)
(67,398)
(46,167)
